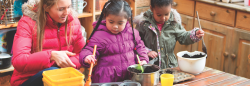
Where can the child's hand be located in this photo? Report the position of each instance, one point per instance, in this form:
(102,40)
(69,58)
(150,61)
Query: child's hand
(199,33)
(152,54)
(143,62)
(89,59)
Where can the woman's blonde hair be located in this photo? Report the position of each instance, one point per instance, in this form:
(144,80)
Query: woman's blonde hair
(41,22)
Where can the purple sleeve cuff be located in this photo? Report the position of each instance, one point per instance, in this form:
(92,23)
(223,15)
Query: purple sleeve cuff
(148,50)
(82,56)
(193,35)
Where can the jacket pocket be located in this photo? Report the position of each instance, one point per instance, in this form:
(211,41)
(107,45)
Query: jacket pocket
(170,59)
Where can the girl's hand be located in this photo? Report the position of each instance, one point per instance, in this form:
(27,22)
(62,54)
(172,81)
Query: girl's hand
(143,62)
(152,54)
(61,58)
(199,33)
(89,59)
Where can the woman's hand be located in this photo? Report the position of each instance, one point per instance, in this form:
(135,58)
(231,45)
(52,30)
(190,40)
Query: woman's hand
(199,33)
(143,62)
(89,59)
(61,58)
(152,54)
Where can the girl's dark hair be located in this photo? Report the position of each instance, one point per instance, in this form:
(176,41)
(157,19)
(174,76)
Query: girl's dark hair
(115,7)
(160,3)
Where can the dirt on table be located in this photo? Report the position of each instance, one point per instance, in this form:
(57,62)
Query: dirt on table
(195,56)
(148,69)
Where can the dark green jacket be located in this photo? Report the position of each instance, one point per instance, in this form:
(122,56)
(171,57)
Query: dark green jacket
(172,31)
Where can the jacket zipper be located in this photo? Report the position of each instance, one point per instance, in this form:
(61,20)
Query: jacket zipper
(58,36)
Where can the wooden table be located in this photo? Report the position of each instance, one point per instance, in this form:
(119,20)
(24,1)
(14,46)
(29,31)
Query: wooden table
(213,77)
(5,75)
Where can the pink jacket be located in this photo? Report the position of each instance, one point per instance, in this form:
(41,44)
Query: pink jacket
(26,62)
(115,53)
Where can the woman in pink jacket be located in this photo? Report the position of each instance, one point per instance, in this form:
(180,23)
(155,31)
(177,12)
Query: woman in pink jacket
(48,37)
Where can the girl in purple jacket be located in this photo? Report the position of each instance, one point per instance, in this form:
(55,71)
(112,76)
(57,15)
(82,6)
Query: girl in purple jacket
(117,44)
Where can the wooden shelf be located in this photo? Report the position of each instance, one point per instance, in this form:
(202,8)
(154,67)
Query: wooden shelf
(84,14)
(11,68)
(2,26)
(98,13)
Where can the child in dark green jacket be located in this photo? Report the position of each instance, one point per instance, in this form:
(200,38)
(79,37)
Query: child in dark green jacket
(160,27)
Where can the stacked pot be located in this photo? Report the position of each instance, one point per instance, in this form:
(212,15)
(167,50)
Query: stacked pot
(9,13)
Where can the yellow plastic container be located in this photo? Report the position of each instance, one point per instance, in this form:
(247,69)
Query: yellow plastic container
(63,77)
(167,79)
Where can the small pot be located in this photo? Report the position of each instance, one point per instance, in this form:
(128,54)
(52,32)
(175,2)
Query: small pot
(5,60)
(145,79)
(191,65)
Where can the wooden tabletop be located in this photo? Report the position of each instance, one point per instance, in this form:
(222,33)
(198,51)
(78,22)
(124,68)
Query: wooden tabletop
(213,77)
(11,68)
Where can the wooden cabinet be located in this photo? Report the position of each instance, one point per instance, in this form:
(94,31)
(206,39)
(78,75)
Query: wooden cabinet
(187,23)
(218,40)
(216,14)
(5,78)
(240,54)
(243,20)
(184,6)
(227,34)
(143,3)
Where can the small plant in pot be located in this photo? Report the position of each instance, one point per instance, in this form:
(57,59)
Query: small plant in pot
(150,77)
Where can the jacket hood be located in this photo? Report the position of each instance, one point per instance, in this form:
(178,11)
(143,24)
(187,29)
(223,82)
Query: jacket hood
(148,16)
(30,9)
